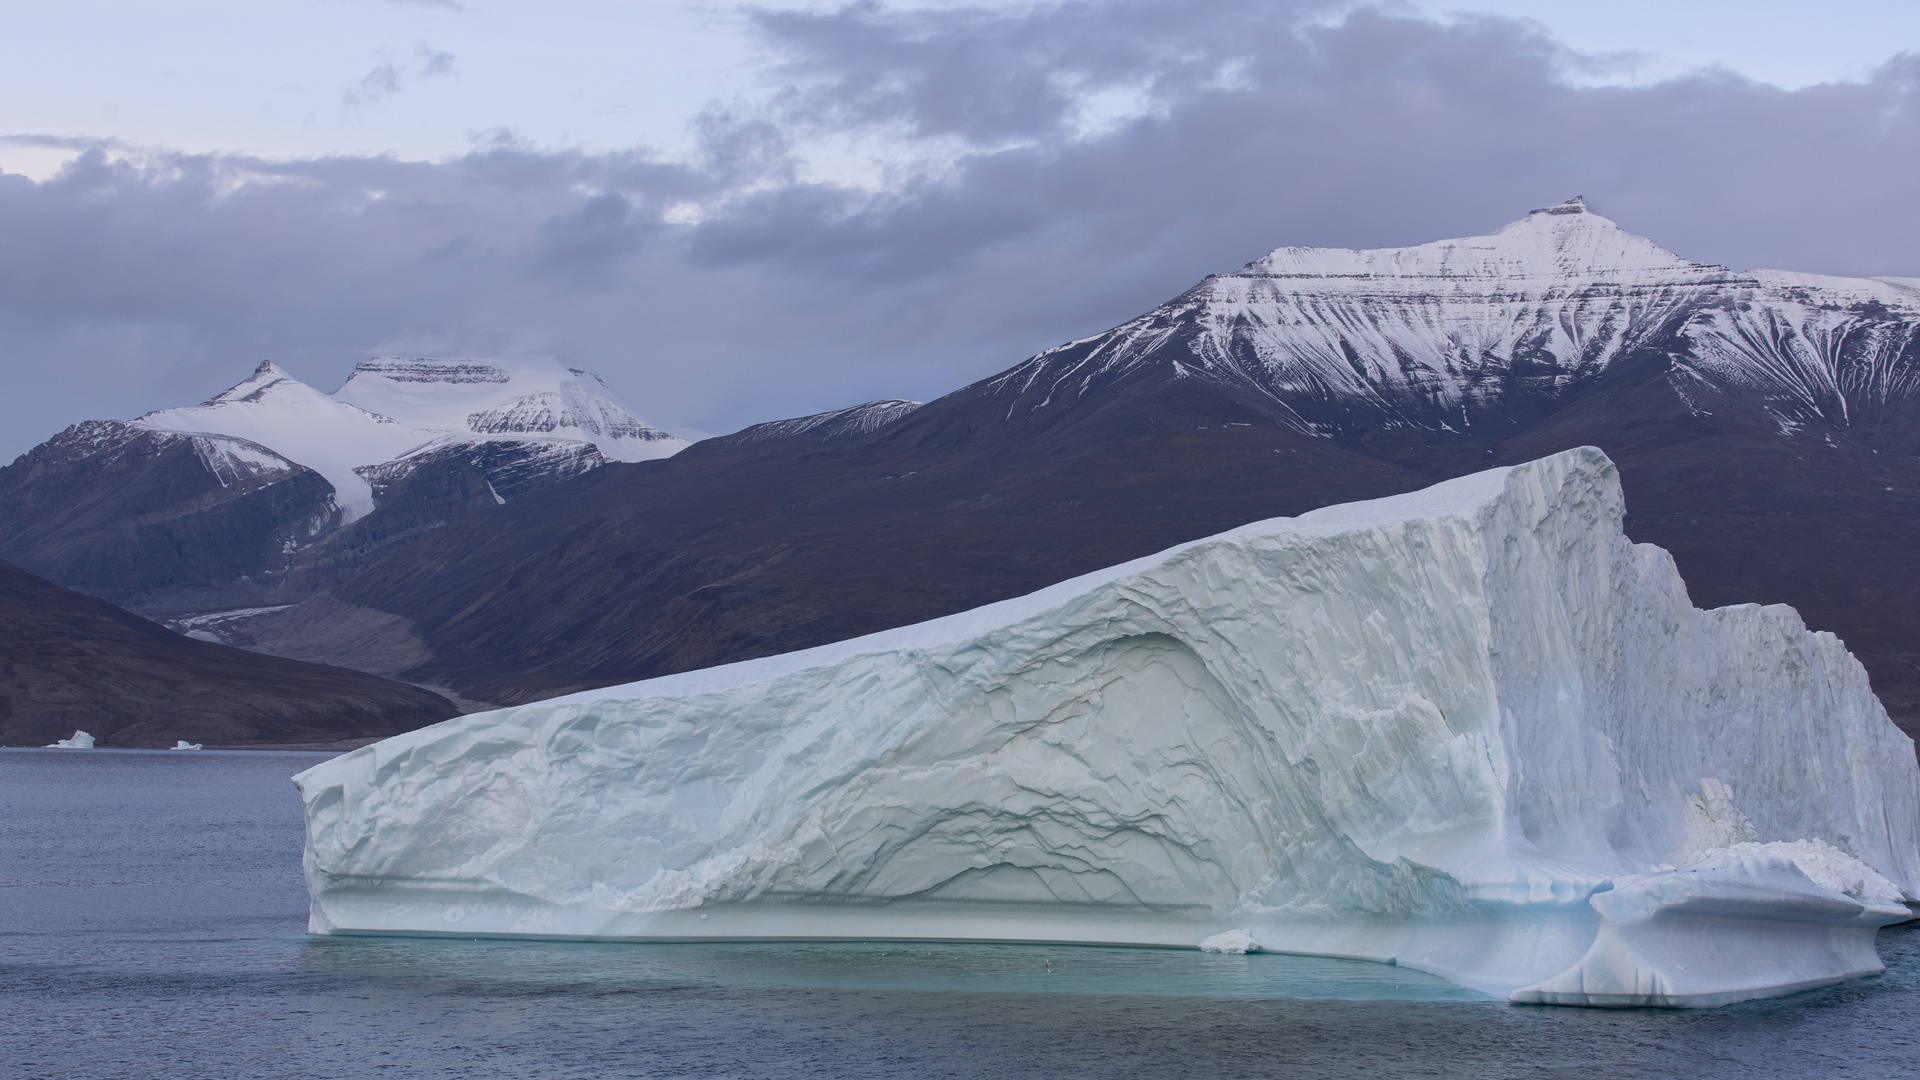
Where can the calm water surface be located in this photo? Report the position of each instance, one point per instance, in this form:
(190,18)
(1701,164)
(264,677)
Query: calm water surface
(152,920)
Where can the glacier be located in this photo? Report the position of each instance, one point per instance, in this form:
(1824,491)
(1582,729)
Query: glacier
(1471,729)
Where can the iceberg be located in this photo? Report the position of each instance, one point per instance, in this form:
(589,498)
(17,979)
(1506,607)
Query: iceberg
(79,740)
(1237,942)
(1472,730)
(182,744)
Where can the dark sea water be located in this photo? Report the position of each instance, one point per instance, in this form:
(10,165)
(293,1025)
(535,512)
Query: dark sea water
(152,920)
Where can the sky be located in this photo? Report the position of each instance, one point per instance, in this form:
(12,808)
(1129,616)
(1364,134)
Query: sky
(736,213)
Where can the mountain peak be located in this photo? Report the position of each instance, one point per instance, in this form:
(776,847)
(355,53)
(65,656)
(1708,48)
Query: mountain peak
(267,378)
(521,397)
(1549,247)
(1575,205)
(430,369)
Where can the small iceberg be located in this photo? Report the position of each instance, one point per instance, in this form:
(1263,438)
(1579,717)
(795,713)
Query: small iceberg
(182,744)
(80,741)
(1231,941)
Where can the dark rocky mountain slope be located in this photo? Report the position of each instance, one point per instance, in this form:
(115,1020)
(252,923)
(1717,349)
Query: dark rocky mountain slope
(1765,425)
(272,490)
(70,661)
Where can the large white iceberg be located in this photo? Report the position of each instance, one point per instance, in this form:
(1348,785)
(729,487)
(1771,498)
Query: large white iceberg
(79,740)
(1471,729)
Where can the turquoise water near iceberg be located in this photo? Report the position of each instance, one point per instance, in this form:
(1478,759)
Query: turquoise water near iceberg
(152,920)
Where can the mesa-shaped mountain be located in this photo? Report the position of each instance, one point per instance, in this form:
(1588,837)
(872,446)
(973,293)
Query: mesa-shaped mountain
(273,490)
(1480,337)
(1765,425)
(70,661)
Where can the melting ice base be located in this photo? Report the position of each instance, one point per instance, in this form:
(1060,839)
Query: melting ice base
(1470,730)
(923,966)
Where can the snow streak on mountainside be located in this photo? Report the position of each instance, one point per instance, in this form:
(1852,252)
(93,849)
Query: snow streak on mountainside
(1453,334)
(839,424)
(1469,729)
(236,463)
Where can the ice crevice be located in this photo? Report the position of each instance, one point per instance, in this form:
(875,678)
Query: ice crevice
(1471,729)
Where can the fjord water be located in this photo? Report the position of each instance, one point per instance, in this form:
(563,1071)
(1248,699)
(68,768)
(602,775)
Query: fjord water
(152,918)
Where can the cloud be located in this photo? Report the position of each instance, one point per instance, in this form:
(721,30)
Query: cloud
(1050,171)
(388,78)
(433,62)
(385,80)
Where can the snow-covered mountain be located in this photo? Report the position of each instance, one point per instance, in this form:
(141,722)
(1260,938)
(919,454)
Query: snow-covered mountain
(393,411)
(294,422)
(490,399)
(1766,425)
(274,480)
(1450,335)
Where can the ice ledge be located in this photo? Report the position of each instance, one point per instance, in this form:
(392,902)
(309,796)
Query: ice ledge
(1728,928)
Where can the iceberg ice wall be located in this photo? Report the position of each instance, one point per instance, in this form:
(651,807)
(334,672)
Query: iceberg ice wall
(1472,729)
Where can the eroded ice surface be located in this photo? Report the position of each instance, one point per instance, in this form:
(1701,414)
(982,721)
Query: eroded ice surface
(1469,729)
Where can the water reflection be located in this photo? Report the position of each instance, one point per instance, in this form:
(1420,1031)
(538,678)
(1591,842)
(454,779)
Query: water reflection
(875,966)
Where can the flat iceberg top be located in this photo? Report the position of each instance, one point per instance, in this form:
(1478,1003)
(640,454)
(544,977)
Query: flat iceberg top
(1462,497)
(1462,729)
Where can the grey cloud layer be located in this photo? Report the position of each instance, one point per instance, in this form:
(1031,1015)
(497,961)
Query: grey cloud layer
(726,290)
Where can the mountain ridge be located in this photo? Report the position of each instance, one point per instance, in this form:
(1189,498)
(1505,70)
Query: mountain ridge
(1773,453)
(70,661)
(81,507)
(1766,426)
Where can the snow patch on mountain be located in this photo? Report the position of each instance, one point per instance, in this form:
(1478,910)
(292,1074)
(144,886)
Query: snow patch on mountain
(239,463)
(513,467)
(1451,729)
(850,422)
